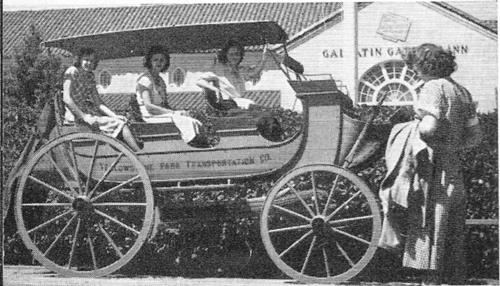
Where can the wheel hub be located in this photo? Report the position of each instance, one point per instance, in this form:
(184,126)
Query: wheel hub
(318,226)
(82,204)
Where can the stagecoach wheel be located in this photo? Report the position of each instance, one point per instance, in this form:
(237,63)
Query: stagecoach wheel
(320,224)
(84,205)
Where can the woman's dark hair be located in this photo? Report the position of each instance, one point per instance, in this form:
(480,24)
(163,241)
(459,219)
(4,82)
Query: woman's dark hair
(222,55)
(85,52)
(431,60)
(157,50)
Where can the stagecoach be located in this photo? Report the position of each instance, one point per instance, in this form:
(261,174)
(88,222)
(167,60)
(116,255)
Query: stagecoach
(319,222)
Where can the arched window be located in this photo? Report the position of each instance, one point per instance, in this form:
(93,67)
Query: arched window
(104,78)
(392,77)
(178,76)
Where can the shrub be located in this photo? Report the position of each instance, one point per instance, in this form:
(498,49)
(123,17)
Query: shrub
(33,79)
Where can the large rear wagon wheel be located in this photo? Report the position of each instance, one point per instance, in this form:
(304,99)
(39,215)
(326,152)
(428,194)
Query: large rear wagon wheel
(84,205)
(320,224)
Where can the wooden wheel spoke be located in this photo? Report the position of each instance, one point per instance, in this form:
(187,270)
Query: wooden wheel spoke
(52,188)
(295,243)
(46,204)
(315,191)
(285,210)
(119,204)
(301,200)
(61,173)
(351,219)
(75,170)
(116,221)
(105,175)
(329,217)
(282,192)
(325,260)
(350,235)
(344,253)
(59,235)
(73,245)
(92,253)
(330,194)
(49,221)
(91,167)
(290,228)
(308,256)
(117,187)
(110,240)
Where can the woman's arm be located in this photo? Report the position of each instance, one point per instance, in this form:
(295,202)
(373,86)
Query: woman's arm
(209,81)
(255,71)
(152,108)
(72,106)
(110,113)
(431,106)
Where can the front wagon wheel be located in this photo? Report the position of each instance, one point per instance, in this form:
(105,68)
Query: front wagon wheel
(320,224)
(84,205)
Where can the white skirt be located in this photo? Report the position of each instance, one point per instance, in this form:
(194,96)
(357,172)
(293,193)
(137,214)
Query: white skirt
(188,126)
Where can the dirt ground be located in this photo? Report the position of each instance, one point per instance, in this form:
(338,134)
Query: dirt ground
(15,275)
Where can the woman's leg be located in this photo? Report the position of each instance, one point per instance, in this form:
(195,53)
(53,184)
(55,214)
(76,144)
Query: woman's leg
(129,138)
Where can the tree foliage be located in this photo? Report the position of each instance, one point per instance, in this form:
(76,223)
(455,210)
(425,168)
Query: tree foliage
(33,78)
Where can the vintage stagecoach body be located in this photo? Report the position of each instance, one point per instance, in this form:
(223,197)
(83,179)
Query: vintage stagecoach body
(320,222)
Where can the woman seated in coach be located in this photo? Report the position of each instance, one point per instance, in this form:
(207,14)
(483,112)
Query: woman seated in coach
(224,87)
(151,95)
(225,84)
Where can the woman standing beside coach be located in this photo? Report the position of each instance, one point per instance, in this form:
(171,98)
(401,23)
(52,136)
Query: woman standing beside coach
(436,233)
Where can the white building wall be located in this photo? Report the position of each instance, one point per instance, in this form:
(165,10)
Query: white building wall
(126,71)
(476,53)
(328,52)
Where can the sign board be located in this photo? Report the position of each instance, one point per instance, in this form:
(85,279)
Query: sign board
(394,27)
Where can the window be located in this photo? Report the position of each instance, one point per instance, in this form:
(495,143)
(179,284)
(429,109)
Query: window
(392,77)
(104,78)
(178,76)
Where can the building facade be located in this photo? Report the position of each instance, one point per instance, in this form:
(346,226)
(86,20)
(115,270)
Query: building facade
(324,44)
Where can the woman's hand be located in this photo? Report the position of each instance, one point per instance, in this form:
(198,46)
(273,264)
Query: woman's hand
(428,126)
(218,93)
(265,51)
(89,119)
(121,117)
(181,112)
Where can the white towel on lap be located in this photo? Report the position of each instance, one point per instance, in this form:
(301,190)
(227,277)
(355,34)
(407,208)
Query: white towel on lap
(110,126)
(243,103)
(188,126)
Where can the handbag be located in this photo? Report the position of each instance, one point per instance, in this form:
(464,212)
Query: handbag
(473,134)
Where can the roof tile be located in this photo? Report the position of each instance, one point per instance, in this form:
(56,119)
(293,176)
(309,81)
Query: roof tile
(53,24)
(192,99)
(60,23)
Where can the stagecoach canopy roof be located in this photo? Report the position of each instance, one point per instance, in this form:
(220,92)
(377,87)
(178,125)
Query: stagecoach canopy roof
(178,39)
